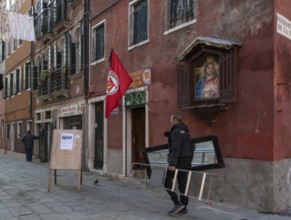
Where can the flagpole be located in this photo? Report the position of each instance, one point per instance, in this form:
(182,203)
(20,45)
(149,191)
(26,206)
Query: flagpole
(125,141)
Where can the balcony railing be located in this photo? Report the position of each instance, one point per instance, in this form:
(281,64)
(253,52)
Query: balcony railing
(59,82)
(44,88)
(42,24)
(58,14)
(52,18)
(54,85)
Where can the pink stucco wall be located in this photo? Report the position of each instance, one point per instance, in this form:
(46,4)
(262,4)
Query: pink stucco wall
(256,126)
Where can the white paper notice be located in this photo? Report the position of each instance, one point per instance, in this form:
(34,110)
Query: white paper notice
(283,26)
(67,141)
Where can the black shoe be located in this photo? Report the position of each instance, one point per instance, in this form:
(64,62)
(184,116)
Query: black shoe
(184,211)
(176,209)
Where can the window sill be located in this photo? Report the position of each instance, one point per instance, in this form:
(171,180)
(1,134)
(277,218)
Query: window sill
(138,44)
(97,61)
(180,27)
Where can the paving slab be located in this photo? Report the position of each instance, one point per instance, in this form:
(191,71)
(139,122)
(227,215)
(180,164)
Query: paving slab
(24,196)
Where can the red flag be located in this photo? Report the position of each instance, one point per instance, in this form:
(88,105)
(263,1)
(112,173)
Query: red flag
(118,81)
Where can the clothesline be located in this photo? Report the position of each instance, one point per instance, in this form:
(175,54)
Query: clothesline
(17,26)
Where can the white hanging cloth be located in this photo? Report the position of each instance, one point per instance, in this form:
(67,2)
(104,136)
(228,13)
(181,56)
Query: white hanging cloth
(21,26)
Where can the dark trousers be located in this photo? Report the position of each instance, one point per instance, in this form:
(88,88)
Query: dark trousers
(28,153)
(183,163)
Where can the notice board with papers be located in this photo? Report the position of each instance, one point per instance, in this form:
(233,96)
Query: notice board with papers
(66,152)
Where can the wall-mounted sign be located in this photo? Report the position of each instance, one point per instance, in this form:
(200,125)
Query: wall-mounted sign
(135,98)
(140,78)
(75,109)
(283,26)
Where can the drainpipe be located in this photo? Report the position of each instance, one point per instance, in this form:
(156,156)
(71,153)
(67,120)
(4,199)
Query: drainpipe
(31,74)
(86,79)
(86,47)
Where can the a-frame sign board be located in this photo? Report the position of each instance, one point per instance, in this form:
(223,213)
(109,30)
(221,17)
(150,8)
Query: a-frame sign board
(66,153)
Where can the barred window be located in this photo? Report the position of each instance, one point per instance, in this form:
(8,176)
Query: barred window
(27,75)
(18,81)
(19,129)
(138,16)
(140,22)
(180,12)
(99,42)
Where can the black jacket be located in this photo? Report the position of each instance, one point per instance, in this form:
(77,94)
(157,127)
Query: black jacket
(27,140)
(179,143)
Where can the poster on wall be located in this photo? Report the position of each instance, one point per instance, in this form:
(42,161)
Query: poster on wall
(66,141)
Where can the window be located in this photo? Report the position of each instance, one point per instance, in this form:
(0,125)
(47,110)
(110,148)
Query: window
(48,115)
(7,48)
(139,21)
(2,128)
(7,131)
(180,13)
(59,58)
(13,45)
(35,77)
(78,49)
(38,117)
(12,92)
(18,81)
(98,40)
(27,75)
(30,12)
(19,42)
(28,125)
(2,52)
(70,52)
(41,5)
(19,129)
(47,59)
(6,87)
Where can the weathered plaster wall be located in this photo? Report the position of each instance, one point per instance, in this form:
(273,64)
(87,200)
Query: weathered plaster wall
(261,185)
(115,158)
(282,86)
(250,131)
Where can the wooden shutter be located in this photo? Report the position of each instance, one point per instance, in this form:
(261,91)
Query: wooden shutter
(68,53)
(184,95)
(35,78)
(227,79)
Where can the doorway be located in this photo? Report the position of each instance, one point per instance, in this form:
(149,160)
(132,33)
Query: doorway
(43,143)
(138,134)
(12,142)
(99,136)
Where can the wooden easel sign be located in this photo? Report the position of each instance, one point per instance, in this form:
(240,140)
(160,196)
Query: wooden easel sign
(66,153)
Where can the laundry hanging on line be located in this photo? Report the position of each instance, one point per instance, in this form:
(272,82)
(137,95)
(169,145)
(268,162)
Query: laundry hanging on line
(17,26)
(21,26)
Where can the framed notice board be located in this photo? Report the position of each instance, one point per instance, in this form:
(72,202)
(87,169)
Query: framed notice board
(66,152)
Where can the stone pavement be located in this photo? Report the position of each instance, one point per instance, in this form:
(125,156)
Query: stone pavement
(24,196)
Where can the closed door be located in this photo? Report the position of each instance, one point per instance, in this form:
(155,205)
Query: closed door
(99,136)
(138,134)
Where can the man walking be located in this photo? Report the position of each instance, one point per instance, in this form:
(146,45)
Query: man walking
(180,157)
(27,140)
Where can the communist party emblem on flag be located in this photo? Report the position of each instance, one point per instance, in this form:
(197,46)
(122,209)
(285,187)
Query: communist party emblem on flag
(112,83)
(118,81)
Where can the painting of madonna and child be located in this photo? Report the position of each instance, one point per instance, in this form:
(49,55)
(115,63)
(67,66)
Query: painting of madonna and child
(207,78)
